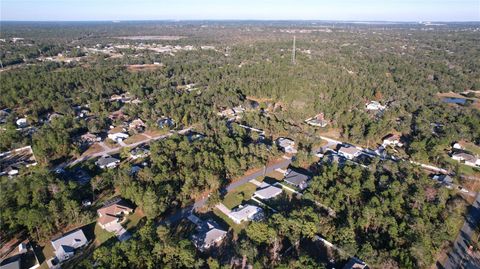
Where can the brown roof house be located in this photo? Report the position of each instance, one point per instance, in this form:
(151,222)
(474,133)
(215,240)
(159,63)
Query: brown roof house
(112,213)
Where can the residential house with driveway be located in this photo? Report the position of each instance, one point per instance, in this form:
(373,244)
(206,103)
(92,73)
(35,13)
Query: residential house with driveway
(107,161)
(66,245)
(287,145)
(296,178)
(246,213)
(112,213)
(268,192)
(208,235)
(349,152)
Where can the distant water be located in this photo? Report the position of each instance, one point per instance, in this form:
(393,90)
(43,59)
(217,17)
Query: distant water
(453,100)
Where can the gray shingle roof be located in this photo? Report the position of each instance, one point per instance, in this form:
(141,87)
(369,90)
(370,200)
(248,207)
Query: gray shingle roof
(295,178)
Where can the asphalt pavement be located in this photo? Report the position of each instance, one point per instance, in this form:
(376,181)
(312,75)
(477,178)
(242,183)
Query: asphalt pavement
(459,256)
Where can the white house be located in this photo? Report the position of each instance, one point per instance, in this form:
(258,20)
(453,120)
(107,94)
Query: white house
(66,245)
(268,192)
(245,213)
(349,153)
(117,134)
(374,105)
(392,140)
(287,145)
(22,123)
(107,162)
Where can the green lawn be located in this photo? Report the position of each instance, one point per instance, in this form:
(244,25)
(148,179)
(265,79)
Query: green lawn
(237,228)
(101,235)
(240,194)
(472,148)
(132,221)
(464,169)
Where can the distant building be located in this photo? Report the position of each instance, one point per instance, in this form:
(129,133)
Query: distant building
(124,97)
(392,140)
(287,145)
(349,152)
(296,179)
(22,123)
(355,263)
(12,161)
(443,179)
(246,213)
(374,105)
(137,125)
(467,158)
(165,122)
(318,121)
(66,245)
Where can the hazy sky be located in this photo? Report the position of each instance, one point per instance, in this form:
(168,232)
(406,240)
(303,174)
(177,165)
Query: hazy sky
(385,10)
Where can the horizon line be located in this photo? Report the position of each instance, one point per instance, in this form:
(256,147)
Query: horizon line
(264,20)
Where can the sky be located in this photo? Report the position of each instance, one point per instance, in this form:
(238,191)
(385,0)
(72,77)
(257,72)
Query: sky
(355,10)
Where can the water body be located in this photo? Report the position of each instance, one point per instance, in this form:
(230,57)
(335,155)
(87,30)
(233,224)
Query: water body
(453,100)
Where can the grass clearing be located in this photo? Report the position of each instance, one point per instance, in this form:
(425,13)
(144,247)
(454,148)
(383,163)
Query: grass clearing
(135,139)
(240,194)
(133,220)
(101,235)
(156,132)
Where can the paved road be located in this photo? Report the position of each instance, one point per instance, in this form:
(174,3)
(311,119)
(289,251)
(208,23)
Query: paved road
(283,164)
(107,150)
(184,212)
(459,256)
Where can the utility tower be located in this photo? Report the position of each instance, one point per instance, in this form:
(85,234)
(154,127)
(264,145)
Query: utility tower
(293,51)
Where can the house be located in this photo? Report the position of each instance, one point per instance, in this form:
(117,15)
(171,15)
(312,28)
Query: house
(268,192)
(107,161)
(124,97)
(462,156)
(137,125)
(466,157)
(245,213)
(66,245)
(317,121)
(355,263)
(117,134)
(392,140)
(4,114)
(226,113)
(374,105)
(349,152)
(208,234)
(90,138)
(22,123)
(139,152)
(23,257)
(165,122)
(118,115)
(443,178)
(296,179)
(473,162)
(287,145)
(12,161)
(112,213)
(457,145)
